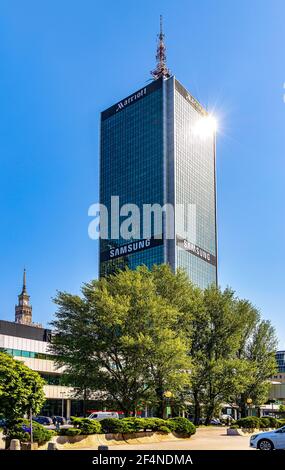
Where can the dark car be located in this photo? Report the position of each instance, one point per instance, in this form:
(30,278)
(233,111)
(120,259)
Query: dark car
(59,419)
(2,423)
(45,420)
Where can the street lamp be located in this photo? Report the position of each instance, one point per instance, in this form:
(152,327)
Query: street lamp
(167,395)
(249,402)
(62,394)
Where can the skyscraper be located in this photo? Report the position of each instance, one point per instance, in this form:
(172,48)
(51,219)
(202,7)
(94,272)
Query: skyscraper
(157,148)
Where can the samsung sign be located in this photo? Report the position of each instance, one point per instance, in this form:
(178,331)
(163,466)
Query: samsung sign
(130,248)
(196,250)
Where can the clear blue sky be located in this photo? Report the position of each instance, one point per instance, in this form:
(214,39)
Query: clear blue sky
(62,62)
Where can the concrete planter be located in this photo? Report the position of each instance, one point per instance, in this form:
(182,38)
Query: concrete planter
(29,446)
(2,441)
(245,431)
(94,440)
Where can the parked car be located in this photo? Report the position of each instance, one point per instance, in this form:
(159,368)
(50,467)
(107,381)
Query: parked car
(103,414)
(45,420)
(215,422)
(2,423)
(227,417)
(60,419)
(269,440)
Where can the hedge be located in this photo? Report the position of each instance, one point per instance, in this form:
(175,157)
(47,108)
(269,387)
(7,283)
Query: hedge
(131,425)
(70,432)
(252,422)
(20,429)
(181,426)
(87,426)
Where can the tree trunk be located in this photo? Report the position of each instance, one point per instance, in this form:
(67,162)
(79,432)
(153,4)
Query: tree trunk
(197,410)
(160,408)
(243,410)
(210,412)
(84,402)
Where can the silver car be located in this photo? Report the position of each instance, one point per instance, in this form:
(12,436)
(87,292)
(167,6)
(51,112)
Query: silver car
(269,440)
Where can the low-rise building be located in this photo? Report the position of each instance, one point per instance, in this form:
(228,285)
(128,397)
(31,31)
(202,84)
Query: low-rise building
(29,342)
(277,391)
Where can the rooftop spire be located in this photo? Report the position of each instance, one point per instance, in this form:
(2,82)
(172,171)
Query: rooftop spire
(24,290)
(161,69)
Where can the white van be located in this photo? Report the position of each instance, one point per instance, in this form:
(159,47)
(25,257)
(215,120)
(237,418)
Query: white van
(103,414)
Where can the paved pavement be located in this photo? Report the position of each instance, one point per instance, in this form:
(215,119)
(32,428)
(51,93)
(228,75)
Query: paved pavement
(204,439)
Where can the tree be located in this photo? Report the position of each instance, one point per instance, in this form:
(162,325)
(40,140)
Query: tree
(127,333)
(21,389)
(217,374)
(258,349)
(232,353)
(72,346)
(135,335)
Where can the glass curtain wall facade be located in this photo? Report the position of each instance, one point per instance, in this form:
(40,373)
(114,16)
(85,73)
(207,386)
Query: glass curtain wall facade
(150,155)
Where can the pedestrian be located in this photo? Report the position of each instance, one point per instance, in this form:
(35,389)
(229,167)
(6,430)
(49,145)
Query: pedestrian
(57,425)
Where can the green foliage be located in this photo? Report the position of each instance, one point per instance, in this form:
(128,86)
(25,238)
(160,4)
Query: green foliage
(164,429)
(270,420)
(134,424)
(130,425)
(114,425)
(70,432)
(232,352)
(136,334)
(20,429)
(21,389)
(75,421)
(154,424)
(280,423)
(258,348)
(181,426)
(234,426)
(251,422)
(264,423)
(124,337)
(89,426)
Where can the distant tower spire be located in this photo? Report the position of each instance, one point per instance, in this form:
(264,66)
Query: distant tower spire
(161,69)
(24,290)
(23,311)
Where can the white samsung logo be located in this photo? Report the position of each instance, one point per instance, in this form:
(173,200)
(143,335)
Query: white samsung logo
(129,100)
(195,249)
(130,248)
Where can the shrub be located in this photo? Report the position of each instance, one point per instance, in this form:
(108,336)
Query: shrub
(234,426)
(280,423)
(20,429)
(75,421)
(70,432)
(264,423)
(87,426)
(273,422)
(114,425)
(251,422)
(153,424)
(134,424)
(164,429)
(181,426)
(90,426)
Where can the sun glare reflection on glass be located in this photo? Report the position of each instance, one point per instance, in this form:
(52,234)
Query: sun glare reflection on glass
(205,127)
